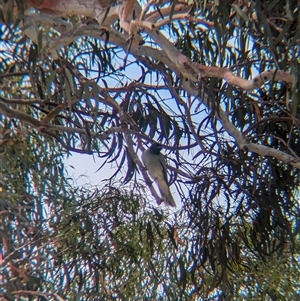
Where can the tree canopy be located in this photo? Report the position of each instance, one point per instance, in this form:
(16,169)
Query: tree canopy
(216,83)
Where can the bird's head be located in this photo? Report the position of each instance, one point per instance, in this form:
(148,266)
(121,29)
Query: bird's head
(155,148)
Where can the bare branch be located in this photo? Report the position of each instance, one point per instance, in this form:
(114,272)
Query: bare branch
(183,17)
(21,101)
(154,16)
(237,135)
(193,71)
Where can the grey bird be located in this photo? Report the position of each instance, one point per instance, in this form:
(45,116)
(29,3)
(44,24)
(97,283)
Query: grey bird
(155,162)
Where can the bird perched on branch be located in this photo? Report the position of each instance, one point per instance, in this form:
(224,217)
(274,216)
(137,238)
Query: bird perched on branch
(156,165)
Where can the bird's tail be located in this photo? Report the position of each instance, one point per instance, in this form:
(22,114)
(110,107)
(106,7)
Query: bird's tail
(167,198)
(165,192)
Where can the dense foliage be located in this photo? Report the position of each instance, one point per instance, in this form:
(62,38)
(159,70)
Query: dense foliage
(235,233)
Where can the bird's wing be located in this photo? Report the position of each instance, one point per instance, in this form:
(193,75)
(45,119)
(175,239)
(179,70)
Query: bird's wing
(143,158)
(153,165)
(164,166)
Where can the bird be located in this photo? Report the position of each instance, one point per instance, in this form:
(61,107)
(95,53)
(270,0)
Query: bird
(155,163)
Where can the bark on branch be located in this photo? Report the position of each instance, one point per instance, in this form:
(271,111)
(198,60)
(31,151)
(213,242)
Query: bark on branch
(193,71)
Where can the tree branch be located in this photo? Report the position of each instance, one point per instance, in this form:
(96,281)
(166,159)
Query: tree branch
(183,62)
(237,135)
(192,71)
